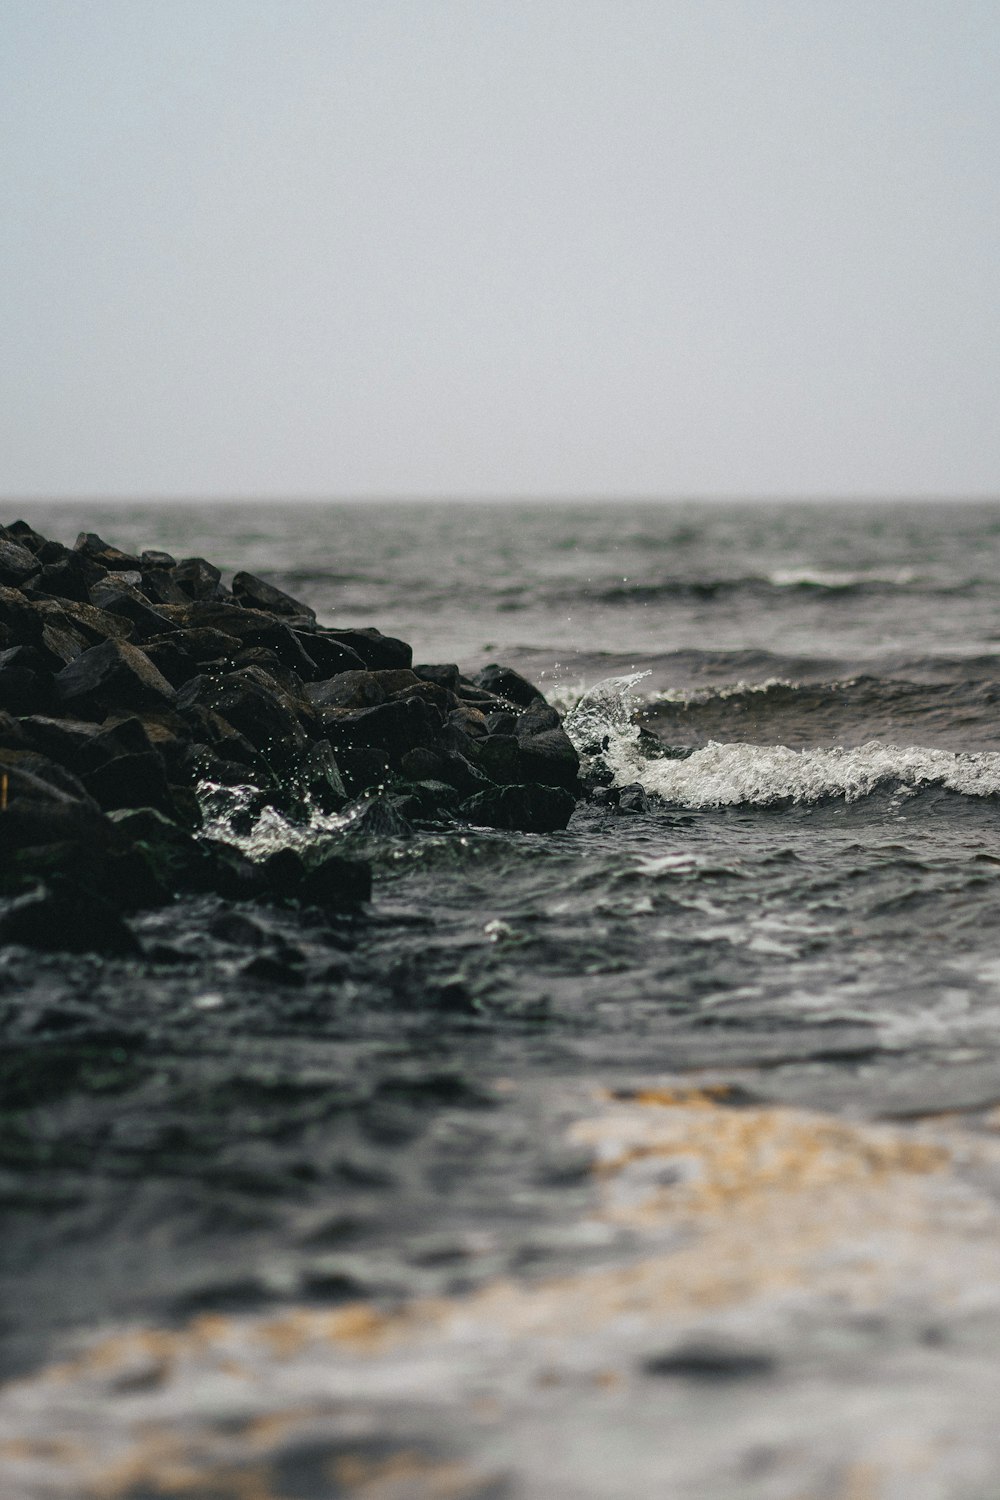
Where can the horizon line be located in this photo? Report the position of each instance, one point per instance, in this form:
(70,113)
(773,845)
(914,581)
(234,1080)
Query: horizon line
(641,497)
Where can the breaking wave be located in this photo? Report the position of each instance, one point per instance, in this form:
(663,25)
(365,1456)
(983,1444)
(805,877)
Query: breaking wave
(604,729)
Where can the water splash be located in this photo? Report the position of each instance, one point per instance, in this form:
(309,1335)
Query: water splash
(602,725)
(241,817)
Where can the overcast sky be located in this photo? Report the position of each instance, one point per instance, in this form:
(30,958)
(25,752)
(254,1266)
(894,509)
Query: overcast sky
(488,247)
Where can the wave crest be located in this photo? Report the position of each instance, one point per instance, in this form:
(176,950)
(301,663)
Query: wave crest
(603,728)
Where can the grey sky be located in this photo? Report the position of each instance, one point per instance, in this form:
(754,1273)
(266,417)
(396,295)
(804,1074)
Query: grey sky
(499,246)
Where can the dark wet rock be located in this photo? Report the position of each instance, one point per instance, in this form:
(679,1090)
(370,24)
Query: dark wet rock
(112,559)
(250,627)
(327,655)
(159,586)
(172,661)
(445,674)
(428,799)
(19,617)
(60,642)
(321,779)
(173,851)
(94,625)
(204,644)
(546,752)
(355,689)
(395,728)
(422,764)
(78,744)
(129,603)
(431,693)
(501,722)
(470,721)
(27,536)
(633,799)
(17,563)
(25,683)
(69,578)
(66,921)
(252,707)
(114,673)
(500,759)
(33,777)
(137,780)
(395,681)
(379,816)
(504,682)
(52,829)
(550,758)
(362,768)
(530,809)
(377,651)
(537,718)
(257,594)
(197,578)
(137,677)
(213,730)
(154,559)
(12,736)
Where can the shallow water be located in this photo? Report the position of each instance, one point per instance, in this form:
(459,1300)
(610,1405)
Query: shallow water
(272,1111)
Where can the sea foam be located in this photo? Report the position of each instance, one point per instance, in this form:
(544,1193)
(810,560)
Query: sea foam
(603,727)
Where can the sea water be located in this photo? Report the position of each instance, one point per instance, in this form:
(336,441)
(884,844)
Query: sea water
(274,1110)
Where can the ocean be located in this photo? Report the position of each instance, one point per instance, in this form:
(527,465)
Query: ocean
(662,1152)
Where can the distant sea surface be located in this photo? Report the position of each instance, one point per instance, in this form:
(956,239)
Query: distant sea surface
(808,912)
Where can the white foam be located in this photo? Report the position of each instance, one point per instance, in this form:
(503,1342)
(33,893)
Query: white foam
(270,829)
(740,689)
(827,578)
(726,775)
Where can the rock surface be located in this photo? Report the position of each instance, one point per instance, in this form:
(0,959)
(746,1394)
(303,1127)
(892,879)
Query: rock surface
(128,684)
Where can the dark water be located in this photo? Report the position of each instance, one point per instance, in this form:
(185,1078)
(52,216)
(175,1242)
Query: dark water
(271,1108)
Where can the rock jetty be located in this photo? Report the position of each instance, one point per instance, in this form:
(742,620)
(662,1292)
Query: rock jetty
(128,683)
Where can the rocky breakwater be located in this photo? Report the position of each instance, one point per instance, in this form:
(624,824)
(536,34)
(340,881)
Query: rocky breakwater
(129,685)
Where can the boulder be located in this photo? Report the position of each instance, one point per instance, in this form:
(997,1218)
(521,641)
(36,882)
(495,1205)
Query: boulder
(257,594)
(347,690)
(253,707)
(327,655)
(197,578)
(377,651)
(117,597)
(111,559)
(445,675)
(17,564)
(504,682)
(531,809)
(136,780)
(112,674)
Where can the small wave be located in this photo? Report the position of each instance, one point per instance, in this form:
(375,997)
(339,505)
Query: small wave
(689,697)
(821,578)
(758,775)
(603,727)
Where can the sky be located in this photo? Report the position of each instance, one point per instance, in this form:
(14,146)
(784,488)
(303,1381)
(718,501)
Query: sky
(499,247)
